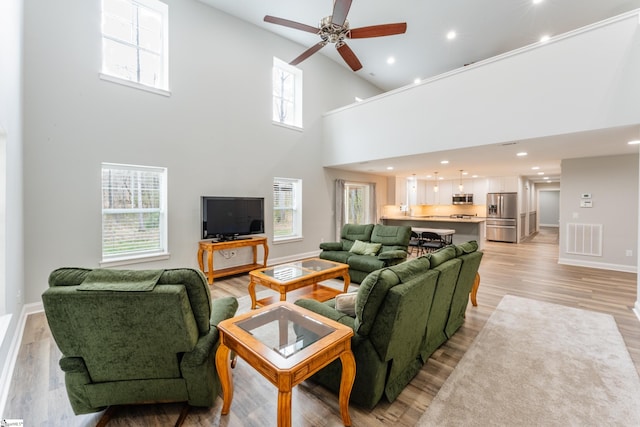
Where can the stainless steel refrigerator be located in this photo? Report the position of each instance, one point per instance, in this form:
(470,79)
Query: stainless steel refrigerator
(502,217)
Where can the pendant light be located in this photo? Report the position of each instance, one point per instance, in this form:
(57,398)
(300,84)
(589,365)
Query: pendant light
(461,187)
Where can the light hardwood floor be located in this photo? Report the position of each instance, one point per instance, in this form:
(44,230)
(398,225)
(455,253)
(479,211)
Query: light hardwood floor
(529,270)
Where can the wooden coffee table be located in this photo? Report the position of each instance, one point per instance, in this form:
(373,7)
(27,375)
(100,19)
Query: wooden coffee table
(286,344)
(298,280)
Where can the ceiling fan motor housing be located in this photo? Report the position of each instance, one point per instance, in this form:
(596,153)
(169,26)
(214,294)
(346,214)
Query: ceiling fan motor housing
(333,33)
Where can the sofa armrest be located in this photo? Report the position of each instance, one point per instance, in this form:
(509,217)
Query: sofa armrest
(223,308)
(327,311)
(331,246)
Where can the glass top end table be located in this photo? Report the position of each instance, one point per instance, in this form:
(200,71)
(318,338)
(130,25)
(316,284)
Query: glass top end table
(284,330)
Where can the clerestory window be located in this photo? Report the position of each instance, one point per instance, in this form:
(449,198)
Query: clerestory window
(135,40)
(287,94)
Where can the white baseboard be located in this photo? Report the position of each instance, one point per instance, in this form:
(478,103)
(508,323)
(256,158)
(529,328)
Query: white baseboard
(599,265)
(291,258)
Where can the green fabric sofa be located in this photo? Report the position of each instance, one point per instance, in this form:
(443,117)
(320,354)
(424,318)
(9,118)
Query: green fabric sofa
(403,313)
(135,336)
(387,245)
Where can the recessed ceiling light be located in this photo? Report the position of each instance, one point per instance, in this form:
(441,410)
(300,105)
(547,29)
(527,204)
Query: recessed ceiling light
(389,168)
(537,1)
(444,162)
(451,35)
(391,60)
(465,173)
(546,177)
(521,154)
(417,80)
(634,142)
(535,168)
(474,176)
(540,173)
(544,38)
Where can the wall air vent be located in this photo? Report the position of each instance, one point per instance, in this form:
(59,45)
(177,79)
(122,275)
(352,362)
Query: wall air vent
(584,239)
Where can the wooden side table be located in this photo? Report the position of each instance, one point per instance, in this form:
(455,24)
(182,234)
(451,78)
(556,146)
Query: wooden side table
(210,247)
(265,338)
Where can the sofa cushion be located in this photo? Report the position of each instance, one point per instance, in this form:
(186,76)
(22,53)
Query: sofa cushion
(371,294)
(466,247)
(337,256)
(441,256)
(390,235)
(366,263)
(352,232)
(412,268)
(363,248)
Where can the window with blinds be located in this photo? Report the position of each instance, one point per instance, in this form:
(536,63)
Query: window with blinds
(134,218)
(287,209)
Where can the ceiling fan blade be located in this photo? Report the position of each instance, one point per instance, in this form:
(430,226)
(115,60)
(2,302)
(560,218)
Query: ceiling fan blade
(307,53)
(290,24)
(349,57)
(378,30)
(340,11)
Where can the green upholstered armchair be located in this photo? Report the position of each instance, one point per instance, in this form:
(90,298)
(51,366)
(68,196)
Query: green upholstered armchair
(135,336)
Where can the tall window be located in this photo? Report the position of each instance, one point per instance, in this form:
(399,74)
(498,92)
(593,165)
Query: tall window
(287,94)
(357,203)
(135,42)
(287,209)
(134,214)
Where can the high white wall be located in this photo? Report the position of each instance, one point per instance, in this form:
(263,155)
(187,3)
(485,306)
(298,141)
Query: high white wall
(583,81)
(11,276)
(214,134)
(612,182)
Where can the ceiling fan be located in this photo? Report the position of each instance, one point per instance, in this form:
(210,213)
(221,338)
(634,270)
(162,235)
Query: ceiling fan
(335,29)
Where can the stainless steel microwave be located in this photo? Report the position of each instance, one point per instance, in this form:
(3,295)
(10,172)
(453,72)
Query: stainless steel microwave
(462,199)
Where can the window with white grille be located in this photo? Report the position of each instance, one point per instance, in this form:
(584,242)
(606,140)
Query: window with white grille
(287,209)
(135,43)
(287,94)
(134,215)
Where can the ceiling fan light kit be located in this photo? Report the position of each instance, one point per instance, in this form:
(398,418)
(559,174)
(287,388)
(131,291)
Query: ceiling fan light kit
(335,29)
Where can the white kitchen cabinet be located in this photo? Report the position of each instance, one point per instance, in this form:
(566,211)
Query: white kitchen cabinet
(502,184)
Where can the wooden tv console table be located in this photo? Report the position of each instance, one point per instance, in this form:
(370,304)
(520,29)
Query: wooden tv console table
(210,247)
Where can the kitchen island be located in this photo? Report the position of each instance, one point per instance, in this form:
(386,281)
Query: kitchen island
(467,228)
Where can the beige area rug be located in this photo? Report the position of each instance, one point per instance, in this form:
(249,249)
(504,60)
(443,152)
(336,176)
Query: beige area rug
(541,364)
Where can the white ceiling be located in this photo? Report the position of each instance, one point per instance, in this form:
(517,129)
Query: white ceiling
(484,29)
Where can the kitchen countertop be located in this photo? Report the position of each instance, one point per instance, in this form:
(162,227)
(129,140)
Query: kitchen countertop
(472,220)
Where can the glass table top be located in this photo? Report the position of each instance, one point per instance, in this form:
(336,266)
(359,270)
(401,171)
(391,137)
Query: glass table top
(296,270)
(284,330)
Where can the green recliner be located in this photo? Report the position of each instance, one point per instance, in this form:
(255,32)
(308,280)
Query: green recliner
(135,336)
(382,246)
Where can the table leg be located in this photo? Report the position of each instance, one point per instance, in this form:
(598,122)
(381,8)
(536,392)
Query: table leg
(265,248)
(200,262)
(347,281)
(284,408)
(210,266)
(224,372)
(252,293)
(346,383)
(474,290)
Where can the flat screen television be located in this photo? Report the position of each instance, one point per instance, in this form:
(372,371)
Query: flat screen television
(227,218)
